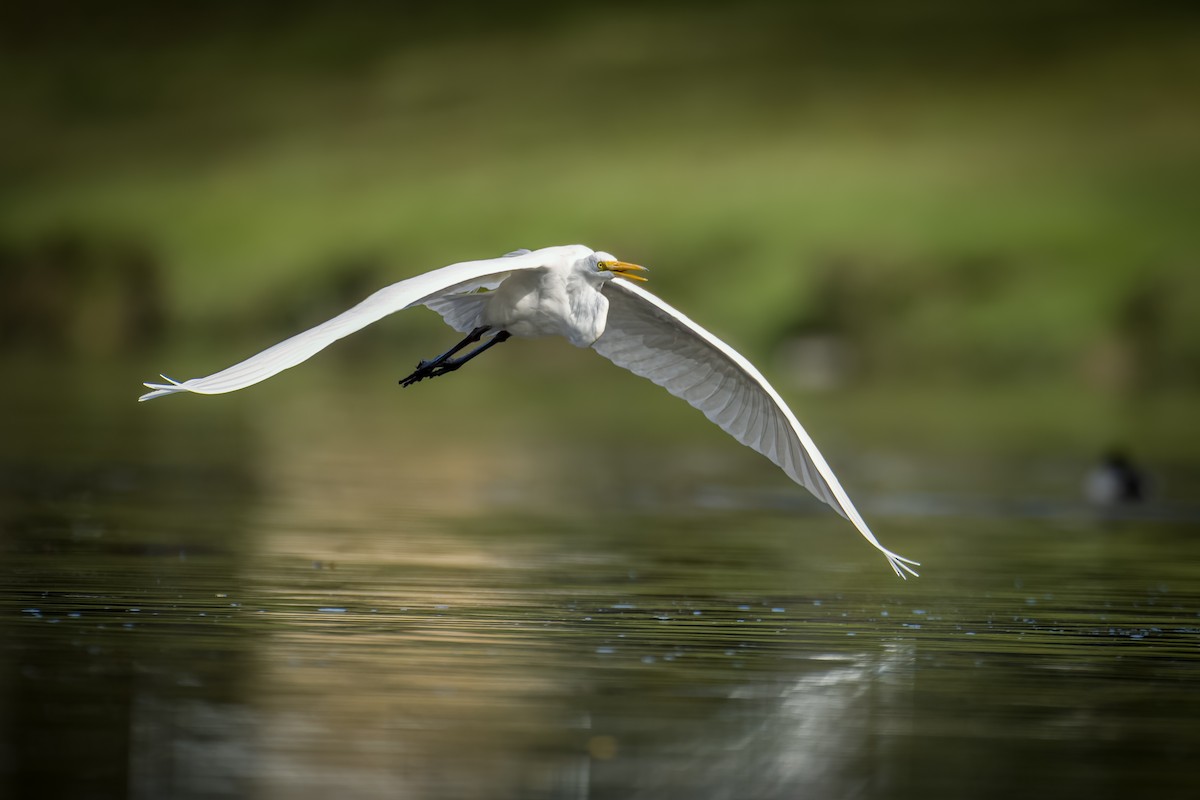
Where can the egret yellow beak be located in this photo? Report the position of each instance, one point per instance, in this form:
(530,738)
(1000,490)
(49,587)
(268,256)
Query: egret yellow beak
(623,269)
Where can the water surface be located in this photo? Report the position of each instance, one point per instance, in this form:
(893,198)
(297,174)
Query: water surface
(324,594)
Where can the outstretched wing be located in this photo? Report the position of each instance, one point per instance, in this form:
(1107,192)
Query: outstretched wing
(650,338)
(462,277)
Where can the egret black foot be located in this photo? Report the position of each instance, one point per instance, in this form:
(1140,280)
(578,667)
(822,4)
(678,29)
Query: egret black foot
(424,370)
(432,369)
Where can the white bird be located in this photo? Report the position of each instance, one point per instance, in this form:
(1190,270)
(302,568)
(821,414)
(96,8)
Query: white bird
(589,298)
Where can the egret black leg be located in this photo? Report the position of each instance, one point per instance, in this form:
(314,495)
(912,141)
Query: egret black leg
(444,363)
(470,338)
(425,368)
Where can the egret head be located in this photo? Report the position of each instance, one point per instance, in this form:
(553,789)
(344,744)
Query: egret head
(610,267)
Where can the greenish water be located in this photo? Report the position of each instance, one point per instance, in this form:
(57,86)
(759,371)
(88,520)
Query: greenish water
(329,587)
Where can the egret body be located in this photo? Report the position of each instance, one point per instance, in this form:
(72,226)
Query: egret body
(591,299)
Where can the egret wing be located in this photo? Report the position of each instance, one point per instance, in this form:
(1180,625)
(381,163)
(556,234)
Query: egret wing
(458,278)
(650,338)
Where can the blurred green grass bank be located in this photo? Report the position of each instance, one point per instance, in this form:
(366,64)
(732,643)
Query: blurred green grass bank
(970,194)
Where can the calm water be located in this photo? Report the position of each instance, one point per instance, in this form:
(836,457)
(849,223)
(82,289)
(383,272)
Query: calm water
(308,594)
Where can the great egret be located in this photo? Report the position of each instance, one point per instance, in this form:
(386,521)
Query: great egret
(574,292)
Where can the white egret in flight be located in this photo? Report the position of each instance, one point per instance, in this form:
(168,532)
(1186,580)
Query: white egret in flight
(591,299)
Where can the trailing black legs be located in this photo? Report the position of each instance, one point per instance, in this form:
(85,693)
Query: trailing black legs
(447,363)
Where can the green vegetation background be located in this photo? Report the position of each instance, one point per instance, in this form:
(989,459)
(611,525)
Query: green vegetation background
(985,194)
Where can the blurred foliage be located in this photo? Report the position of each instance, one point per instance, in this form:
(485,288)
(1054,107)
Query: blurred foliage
(981,191)
(65,293)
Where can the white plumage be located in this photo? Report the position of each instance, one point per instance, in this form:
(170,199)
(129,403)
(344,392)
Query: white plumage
(570,291)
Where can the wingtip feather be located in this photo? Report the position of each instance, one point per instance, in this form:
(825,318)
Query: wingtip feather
(161,389)
(900,565)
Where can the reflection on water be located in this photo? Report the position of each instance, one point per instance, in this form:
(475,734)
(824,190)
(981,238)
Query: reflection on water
(233,606)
